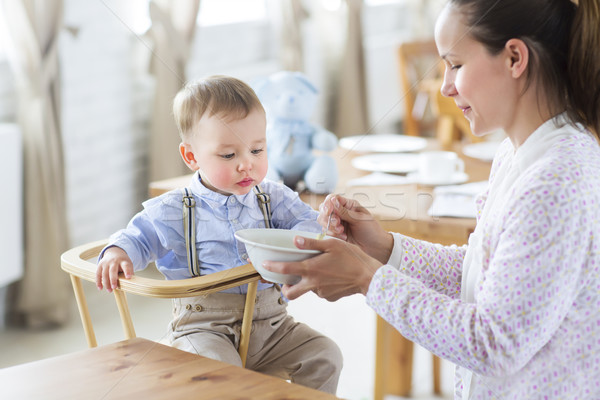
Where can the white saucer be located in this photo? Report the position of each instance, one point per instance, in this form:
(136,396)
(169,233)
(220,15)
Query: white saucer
(395,163)
(383,143)
(459,177)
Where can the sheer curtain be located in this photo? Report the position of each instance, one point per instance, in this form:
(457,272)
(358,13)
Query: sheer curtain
(40,299)
(343,56)
(289,16)
(172,32)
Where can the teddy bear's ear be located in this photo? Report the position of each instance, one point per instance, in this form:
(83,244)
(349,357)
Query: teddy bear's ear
(302,78)
(259,85)
(264,89)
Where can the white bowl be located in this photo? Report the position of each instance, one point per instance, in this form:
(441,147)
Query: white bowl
(275,245)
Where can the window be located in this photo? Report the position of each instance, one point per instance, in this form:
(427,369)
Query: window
(220,12)
(212,12)
(3,38)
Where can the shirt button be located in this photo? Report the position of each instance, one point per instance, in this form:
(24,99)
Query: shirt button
(244,256)
(235,221)
(198,307)
(188,307)
(232,200)
(280,301)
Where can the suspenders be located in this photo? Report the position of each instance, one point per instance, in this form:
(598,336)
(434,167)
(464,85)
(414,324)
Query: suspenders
(189,224)
(264,201)
(189,231)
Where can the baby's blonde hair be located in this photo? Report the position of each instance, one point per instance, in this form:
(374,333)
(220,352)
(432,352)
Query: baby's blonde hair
(225,96)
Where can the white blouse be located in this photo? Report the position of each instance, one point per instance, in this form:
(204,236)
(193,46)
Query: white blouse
(517,309)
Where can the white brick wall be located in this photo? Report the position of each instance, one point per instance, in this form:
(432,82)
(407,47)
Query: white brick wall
(7,93)
(104,152)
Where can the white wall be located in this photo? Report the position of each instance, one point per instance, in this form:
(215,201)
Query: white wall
(385,26)
(11,244)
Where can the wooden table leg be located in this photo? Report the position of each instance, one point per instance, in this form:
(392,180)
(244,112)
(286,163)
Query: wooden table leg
(393,362)
(437,384)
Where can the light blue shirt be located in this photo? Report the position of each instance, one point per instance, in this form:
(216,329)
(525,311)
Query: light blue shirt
(157,232)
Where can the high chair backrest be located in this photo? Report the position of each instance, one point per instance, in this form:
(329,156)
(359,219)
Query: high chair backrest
(80,263)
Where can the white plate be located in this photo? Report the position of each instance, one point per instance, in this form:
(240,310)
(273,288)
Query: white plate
(398,163)
(459,177)
(383,143)
(484,151)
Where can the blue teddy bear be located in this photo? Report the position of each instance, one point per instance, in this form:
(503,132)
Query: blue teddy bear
(289,99)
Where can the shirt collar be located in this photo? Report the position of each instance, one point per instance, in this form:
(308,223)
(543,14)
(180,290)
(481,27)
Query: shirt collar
(210,196)
(542,139)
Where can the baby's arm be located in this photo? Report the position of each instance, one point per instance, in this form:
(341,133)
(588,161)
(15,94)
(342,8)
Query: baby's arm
(114,260)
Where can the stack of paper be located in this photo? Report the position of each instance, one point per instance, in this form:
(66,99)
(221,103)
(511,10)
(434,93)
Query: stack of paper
(456,200)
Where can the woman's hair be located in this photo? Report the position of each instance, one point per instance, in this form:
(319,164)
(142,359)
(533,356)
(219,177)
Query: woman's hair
(563,39)
(224,96)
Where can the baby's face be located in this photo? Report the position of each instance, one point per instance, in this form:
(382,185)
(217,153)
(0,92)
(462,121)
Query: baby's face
(231,155)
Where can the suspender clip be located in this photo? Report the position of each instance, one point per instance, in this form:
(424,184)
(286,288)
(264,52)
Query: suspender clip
(189,201)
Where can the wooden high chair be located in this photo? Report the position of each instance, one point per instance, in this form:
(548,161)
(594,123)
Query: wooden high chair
(80,263)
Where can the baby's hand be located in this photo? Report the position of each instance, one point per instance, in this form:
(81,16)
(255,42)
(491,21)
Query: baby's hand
(114,260)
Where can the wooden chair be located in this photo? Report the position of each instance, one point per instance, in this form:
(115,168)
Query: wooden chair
(421,75)
(418,62)
(76,262)
(452,125)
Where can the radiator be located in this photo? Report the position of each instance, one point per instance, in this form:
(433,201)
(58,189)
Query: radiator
(11,204)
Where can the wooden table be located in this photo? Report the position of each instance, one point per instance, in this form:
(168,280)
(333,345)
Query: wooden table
(399,208)
(142,369)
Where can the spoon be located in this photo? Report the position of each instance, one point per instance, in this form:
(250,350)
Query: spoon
(321,235)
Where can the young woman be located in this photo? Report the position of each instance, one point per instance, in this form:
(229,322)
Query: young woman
(518,308)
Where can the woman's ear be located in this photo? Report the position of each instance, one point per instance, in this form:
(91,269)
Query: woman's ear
(185,149)
(517,57)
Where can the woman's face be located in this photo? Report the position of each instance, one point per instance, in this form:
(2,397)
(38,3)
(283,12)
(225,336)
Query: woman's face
(480,83)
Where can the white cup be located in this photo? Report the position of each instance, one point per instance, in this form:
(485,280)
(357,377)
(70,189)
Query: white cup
(439,166)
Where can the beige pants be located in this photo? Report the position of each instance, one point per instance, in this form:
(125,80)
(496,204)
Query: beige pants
(210,326)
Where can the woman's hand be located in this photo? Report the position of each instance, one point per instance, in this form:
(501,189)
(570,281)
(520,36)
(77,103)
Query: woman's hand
(352,222)
(341,270)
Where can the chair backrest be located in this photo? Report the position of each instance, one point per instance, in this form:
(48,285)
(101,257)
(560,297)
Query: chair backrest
(452,126)
(418,62)
(76,262)
(421,75)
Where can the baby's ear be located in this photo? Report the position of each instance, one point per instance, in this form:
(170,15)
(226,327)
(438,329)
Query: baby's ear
(185,149)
